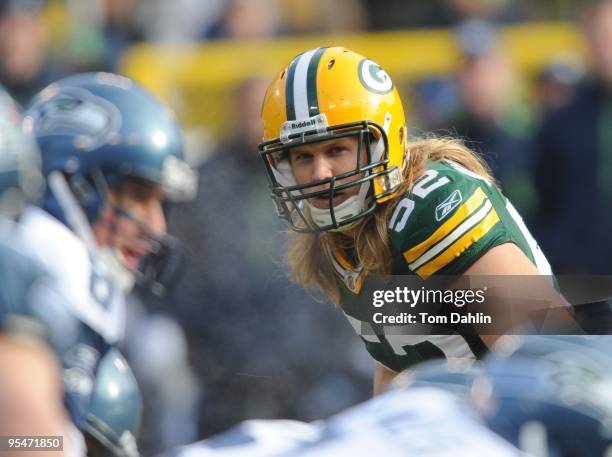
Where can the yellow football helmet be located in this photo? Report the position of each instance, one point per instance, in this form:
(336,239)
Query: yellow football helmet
(323,94)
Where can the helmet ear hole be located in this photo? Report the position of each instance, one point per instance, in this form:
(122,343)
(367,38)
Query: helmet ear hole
(330,64)
(401,135)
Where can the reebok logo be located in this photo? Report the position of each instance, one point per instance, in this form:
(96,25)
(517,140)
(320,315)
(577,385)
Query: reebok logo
(449,204)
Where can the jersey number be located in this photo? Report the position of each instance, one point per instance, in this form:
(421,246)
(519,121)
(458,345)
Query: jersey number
(427,184)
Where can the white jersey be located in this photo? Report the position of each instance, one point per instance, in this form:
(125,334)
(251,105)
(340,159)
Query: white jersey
(88,316)
(417,422)
(85,286)
(253,438)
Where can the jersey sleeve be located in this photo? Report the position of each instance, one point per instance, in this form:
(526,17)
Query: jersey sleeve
(446,222)
(19,275)
(31,303)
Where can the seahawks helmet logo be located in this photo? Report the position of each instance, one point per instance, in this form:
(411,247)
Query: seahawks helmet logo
(374,78)
(79,113)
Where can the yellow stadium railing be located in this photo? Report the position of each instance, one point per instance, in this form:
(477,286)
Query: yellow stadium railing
(198,80)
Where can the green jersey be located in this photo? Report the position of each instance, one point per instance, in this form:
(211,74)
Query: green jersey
(448,219)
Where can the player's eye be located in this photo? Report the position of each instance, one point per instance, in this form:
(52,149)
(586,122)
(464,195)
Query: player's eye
(338,149)
(300,156)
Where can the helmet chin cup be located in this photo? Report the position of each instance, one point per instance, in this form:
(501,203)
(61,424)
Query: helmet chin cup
(121,276)
(348,209)
(322,217)
(157,270)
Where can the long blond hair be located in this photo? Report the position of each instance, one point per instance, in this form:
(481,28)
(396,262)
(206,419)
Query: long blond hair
(368,243)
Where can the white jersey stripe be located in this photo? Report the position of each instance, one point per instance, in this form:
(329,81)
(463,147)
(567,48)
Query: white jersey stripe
(453,236)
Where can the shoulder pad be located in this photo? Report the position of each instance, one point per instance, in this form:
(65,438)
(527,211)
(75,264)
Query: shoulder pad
(444,208)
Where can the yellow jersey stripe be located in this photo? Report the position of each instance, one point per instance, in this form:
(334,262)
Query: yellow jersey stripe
(350,277)
(453,236)
(462,213)
(459,246)
(340,259)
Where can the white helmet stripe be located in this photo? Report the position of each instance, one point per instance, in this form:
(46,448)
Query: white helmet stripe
(300,93)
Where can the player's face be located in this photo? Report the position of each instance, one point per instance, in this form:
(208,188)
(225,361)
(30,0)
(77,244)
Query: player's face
(135,216)
(317,161)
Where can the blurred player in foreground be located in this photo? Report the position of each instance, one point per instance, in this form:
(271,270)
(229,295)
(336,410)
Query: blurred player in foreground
(365,200)
(550,396)
(537,396)
(30,373)
(111,155)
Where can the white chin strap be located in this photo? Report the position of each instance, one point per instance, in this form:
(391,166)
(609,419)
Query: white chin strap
(350,207)
(121,276)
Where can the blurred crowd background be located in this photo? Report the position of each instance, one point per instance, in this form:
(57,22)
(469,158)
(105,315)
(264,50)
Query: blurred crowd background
(527,83)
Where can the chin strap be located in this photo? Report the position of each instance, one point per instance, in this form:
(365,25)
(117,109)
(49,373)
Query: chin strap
(122,277)
(159,270)
(345,210)
(75,217)
(77,221)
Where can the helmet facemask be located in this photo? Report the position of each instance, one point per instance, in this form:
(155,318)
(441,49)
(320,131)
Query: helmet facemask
(324,94)
(294,201)
(157,269)
(79,197)
(96,132)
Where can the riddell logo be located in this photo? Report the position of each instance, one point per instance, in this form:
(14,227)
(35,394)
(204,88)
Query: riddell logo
(317,123)
(302,124)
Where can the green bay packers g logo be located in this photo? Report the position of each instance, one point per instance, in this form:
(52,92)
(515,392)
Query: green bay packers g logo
(374,78)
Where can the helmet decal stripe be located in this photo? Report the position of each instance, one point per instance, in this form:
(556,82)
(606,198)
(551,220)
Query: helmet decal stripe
(311,82)
(300,98)
(289,103)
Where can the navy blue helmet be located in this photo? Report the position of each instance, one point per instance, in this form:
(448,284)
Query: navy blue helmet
(551,395)
(97,130)
(97,126)
(113,419)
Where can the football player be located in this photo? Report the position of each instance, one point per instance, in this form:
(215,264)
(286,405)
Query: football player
(543,396)
(425,414)
(550,396)
(30,387)
(364,199)
(431,417)
(253,438)
(112,155)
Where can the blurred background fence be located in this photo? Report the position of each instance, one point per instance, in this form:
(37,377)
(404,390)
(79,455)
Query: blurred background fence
(200,80)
